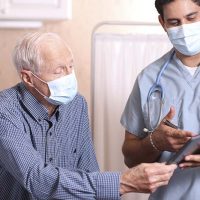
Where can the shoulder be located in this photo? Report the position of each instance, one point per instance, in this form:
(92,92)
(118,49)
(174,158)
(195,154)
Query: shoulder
(147,77)
(77,106)
(10,106)
(79,100)
(150,72)
(9,98)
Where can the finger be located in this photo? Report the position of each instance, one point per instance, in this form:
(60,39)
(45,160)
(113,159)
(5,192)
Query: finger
(179,142)
(160,178)
(162,168)
(193,158)
(160,181)
(188,164)
(176,147)
(158,184)
(176,133)
(170,114)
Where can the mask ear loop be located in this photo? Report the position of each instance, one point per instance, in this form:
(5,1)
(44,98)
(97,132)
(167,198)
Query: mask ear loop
(44,96)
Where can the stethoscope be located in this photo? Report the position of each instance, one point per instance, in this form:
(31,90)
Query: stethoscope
(157,90)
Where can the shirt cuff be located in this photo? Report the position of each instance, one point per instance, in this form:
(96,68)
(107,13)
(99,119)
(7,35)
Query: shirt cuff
(108,184)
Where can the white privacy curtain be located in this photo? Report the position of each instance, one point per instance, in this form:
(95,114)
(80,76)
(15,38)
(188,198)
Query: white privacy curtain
(118,58)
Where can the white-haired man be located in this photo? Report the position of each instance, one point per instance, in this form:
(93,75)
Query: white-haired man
(46,150)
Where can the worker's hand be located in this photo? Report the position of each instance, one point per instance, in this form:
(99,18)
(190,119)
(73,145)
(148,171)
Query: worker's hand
(190,161)
(146,178)
(166,138)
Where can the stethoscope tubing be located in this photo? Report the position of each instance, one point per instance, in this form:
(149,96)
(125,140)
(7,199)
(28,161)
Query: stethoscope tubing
(157,87)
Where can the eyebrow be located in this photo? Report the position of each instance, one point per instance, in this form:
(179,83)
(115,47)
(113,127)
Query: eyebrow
(193,13)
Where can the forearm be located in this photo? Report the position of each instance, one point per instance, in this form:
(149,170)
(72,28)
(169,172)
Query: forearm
(137,151)
(49,182)
(64,184)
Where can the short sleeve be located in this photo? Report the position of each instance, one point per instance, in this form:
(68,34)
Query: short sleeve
(132,117)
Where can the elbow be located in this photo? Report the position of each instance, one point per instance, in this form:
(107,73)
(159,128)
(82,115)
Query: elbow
(129,162)
(39,184)
(128,157)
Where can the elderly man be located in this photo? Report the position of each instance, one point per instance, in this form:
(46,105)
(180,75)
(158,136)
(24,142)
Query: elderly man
(46,150)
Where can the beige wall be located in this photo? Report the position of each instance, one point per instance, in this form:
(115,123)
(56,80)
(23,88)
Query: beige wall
(77,32)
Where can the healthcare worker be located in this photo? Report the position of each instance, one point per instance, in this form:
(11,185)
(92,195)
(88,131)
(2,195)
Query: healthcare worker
(168,89)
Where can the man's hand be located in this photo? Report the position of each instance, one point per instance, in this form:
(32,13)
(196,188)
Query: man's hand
(191,161)
(166,138)
(146,178)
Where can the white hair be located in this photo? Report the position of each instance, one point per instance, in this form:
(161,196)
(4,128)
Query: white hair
(27,55)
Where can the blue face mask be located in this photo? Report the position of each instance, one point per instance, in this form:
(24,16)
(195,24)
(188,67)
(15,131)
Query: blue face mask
(62,90)
(186,38)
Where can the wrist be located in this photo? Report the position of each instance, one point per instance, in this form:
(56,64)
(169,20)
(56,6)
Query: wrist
(126,184)
(153,143)
(122,189)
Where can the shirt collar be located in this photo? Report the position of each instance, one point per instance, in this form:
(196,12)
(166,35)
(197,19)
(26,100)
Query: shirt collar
(184,70)
(37,110)
(180,65)
(33,106)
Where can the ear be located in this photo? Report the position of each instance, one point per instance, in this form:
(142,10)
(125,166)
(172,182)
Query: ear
(26,77)
(162,22)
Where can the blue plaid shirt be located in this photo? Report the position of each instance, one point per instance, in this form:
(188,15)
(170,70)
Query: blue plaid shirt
(44,157)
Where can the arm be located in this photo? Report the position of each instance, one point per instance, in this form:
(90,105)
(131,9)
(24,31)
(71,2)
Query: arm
(132,145)
(87,160)
(164,138)
(25,164)
(142,178)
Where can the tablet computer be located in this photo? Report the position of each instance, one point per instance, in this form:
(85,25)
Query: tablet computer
(191,147)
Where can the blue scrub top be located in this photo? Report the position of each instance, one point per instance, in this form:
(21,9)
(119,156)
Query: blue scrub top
(181,90)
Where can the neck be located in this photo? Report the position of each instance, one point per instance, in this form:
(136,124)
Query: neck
(50,107)
(190,61)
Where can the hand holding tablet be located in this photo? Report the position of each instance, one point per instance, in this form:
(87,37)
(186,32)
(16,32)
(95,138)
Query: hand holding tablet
(191,147)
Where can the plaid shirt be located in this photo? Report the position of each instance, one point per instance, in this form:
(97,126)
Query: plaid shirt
(44,157)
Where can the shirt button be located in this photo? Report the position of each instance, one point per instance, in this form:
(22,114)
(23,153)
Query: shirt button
(50,159)
(50,133)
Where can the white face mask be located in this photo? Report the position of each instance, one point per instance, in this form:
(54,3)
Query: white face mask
(186,38)
(62,90)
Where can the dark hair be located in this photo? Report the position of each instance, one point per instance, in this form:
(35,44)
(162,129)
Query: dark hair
(160,3)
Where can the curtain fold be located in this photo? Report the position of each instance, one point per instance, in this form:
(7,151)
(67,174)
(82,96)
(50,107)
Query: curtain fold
(118,60)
